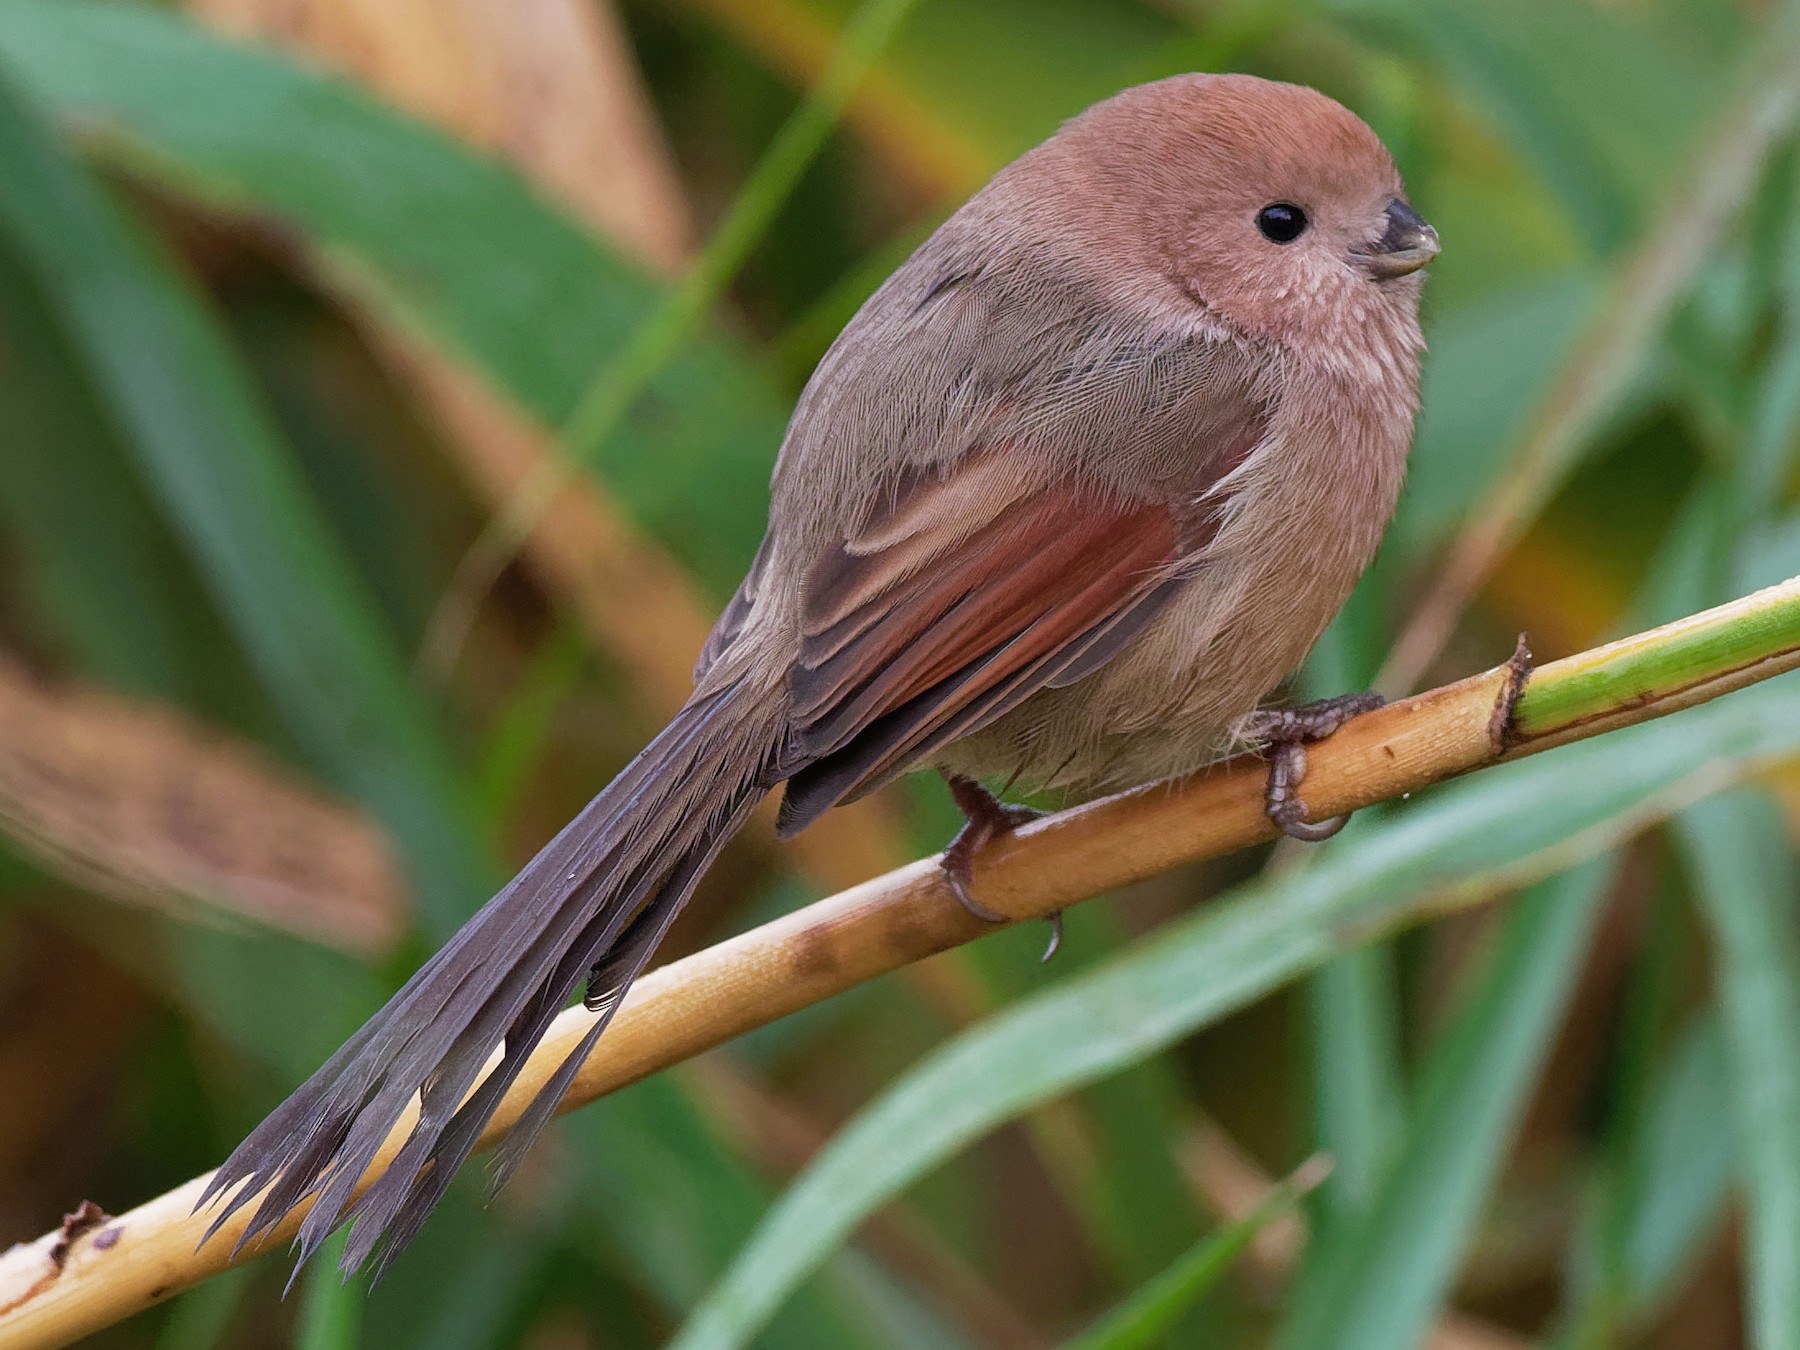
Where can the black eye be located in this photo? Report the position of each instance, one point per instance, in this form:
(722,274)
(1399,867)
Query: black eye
(1281,222)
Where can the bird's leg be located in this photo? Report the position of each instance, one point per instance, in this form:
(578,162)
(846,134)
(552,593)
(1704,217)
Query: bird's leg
(1284,734)
(985,817)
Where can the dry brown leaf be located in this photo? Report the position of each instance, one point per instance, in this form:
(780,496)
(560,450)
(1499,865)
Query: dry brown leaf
(547,84)
(140,803)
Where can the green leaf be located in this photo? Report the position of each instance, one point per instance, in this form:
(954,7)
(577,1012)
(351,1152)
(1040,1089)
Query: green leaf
(1467,841)
(431,236)
(1745,878)
(1137,1205)
(1151,1313)
(1380,1281)
(1768,449)
(610,394)
(204,444)
(199,1318)
(330,1305)
(1661,1183)
(1352,1006)
(1352,1003)
(1114,1156)
(1680,1162)
(285,1003)
(95,564)
(1767,553)
(472,1278)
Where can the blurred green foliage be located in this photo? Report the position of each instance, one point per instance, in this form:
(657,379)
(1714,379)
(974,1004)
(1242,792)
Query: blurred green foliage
(214,495)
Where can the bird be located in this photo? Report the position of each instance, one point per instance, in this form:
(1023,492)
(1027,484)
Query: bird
(1069,498)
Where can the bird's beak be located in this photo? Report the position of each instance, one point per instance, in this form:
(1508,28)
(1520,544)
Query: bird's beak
(1406,245)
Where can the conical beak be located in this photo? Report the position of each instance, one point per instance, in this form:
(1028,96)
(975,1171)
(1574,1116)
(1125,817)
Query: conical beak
(1406,245)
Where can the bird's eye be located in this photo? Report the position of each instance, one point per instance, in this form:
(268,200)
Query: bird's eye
(1281,222)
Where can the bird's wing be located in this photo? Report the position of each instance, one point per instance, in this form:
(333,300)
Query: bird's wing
(990,485)
(962,593)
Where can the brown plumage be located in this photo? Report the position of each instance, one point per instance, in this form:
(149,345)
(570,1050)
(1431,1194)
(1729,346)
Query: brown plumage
(1074,491)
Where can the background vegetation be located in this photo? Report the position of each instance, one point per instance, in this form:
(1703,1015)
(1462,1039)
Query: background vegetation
(283,326)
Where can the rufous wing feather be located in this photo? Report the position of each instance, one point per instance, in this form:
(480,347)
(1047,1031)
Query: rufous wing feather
(950,606)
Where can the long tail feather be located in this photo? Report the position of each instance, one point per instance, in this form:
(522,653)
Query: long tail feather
(592,905)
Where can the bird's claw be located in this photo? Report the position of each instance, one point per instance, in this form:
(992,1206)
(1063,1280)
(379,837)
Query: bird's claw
(1284,734)
(958,865)
(985,818)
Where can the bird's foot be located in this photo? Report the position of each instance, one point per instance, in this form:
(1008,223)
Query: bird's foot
(1284,734)
(985,817)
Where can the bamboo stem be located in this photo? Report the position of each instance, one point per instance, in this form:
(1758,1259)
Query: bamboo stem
(64,1286)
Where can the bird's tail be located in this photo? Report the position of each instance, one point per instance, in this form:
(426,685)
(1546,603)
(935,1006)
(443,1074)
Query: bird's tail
(593,904)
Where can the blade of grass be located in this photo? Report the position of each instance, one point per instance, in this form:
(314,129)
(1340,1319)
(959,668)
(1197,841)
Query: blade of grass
(1746,882)
(1633,1231)
(330,1307)
(211,457)
(1151,1312)
(1659,1198)
(1596,1292)
(199,1321)
(553,85)
(680,1201)
(226,479)
(515,741)
(778,1136)
(1352,1004)
(1381,1281)
(1137,1206)
(1358,1106)
(475,1277)
(1768,449)
(1488,366)
(1111,1153)
(1683,1163)
(97,570)
(1591,98)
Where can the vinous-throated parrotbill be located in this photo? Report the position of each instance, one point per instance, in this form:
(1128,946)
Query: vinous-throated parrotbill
(1073,492)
